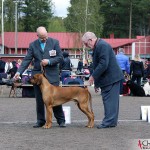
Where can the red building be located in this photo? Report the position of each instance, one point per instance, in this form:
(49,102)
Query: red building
(71,42)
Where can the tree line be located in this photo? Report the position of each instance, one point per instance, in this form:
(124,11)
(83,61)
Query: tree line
(124,18)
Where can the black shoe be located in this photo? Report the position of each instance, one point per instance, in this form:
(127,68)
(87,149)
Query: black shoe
(38,125)
(62,125)
(102,126)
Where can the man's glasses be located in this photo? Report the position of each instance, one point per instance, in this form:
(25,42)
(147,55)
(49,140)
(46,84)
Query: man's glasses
(87,43)
(42,38)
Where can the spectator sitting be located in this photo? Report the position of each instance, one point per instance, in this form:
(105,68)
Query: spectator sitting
(8,66)
(65,66)
(2,66)
(80,65)
(19,63)
(146,71)
(13,70)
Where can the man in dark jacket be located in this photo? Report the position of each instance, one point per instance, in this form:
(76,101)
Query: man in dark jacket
(106,75)
(80,65)
(65,66)
(47,51)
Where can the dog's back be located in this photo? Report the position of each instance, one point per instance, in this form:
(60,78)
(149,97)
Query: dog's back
(135,89)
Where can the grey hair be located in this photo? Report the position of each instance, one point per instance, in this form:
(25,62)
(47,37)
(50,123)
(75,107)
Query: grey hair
(121,50)
(88,35)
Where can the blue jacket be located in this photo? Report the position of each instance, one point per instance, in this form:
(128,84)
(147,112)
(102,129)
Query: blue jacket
(106,69)
(123,62)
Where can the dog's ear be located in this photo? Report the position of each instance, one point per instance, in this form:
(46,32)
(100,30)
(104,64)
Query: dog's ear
(39,80)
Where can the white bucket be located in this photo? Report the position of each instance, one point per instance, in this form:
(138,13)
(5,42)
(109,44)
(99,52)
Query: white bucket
(67,112)
(144,112)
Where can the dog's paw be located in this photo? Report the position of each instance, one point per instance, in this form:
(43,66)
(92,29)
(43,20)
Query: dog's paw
(88,126)
(47,126)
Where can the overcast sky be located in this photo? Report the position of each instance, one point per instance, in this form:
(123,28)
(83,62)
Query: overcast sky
(61,7)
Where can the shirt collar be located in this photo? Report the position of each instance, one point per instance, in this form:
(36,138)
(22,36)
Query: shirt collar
(97,40)
(41,41)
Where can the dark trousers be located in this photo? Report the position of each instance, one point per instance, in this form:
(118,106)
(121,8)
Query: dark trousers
(137,79)
(65,74)
(121,86)
(110,97)
(40,109)
(121,83)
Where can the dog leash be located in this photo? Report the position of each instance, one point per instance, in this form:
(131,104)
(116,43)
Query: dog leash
(43,70)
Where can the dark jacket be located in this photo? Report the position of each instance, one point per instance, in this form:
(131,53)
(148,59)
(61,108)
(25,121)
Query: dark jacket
(106,69)
(137,68)
(148,71)
(2,66)
(66,62)
(36,54)
(80,65)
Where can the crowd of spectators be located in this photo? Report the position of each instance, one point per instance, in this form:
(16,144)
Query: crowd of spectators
(9,67)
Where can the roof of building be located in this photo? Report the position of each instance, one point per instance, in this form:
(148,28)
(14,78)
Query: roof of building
(68,40)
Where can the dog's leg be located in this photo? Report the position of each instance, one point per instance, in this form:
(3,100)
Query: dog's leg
(13,90)
(12,87)
(15,95)
(48,123)
(85,109)
(1,89)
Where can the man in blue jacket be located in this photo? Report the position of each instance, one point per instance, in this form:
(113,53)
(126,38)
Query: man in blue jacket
(124,64)
(47,51)
(106,75)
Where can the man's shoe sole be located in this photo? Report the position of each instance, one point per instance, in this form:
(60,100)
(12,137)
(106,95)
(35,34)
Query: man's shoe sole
(62,125)
(105,127)
(38,125)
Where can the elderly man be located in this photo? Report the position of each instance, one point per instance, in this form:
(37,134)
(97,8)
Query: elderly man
(47,51)
(106,75)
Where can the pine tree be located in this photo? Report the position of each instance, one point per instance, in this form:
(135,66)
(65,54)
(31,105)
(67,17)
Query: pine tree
(36,13)
(84,16)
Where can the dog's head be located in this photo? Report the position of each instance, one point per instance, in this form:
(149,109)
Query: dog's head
(36,79)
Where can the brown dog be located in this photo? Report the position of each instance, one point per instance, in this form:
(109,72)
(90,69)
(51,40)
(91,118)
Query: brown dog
(55,95)
(14,86)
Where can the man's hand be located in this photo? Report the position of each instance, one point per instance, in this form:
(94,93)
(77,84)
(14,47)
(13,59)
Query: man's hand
(45,62)
(91,80)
